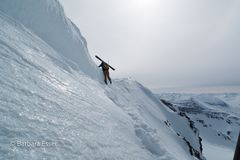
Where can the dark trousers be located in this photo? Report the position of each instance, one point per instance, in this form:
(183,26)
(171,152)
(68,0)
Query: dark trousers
(106,76)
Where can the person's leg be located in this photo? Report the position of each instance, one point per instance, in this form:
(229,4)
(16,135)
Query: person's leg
(109,77)
(105,76)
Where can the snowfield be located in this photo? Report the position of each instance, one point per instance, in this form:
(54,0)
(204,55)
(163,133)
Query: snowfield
(215,115)
(54,105)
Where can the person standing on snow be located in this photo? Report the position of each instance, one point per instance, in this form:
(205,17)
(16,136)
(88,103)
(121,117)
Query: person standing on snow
(105,69)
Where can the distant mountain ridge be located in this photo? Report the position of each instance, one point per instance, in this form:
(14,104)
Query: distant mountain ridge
(216,116)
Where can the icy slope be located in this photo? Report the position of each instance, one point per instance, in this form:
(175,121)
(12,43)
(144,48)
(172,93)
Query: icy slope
(47,20)
(42,99)
(159,129)
(216,116)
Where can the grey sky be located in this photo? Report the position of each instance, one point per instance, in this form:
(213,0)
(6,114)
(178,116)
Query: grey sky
(164,43)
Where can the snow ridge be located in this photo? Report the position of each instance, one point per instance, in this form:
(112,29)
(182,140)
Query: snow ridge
(41,101)
(46,18)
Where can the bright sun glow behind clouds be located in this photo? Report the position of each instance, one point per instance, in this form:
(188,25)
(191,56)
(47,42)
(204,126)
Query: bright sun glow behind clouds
(147,7)
(143,4)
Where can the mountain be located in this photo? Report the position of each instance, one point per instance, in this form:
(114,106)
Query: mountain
(54,104)
(216,116)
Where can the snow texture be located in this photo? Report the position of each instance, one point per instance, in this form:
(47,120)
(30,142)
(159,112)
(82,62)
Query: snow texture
(47,20)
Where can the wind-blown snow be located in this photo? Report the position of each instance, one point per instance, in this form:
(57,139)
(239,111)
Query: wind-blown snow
(47,20)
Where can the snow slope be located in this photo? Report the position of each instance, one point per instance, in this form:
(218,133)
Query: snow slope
(217,118)
(47,20)
(157,126)
(41,101)
(51,110)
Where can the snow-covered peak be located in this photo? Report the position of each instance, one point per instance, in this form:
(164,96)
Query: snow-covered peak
(216,116)
(46,18)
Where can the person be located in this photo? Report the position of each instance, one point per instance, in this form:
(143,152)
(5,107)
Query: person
(105,69)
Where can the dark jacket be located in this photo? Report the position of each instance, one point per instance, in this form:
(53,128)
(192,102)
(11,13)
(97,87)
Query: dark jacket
(104,66)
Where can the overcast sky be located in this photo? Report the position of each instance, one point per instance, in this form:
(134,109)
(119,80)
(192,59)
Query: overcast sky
(164,43)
